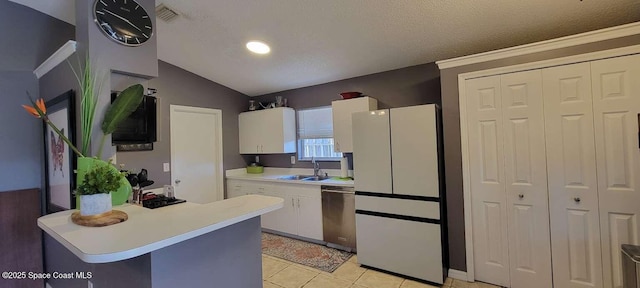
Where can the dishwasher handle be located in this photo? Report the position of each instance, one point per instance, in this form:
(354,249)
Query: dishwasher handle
(337,191)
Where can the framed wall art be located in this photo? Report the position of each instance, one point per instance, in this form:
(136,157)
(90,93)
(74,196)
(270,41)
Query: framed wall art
(60,161)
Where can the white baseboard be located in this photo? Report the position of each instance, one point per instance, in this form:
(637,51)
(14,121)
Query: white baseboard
(457,274)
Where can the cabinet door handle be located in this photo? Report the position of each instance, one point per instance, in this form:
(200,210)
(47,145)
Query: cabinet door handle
(292,205)
(298,202)
(521,196)
(261,148)
(577,199)
(338,147)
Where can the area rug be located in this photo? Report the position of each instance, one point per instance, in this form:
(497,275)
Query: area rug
(304,253)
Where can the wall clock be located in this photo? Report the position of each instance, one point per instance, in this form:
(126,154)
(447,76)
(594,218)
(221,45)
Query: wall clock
(123,21)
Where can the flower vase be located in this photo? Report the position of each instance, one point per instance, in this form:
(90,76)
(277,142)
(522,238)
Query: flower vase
(118,197)
(95,204)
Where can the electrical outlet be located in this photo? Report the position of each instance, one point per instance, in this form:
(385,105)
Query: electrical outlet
(166,167)
(293,159)
(257,159)
(89,284)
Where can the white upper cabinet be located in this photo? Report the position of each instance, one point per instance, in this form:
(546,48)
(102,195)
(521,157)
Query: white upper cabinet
(342,110)
(268,131)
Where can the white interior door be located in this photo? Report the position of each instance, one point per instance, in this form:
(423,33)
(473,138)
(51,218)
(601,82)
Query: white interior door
(616,104)
(196,153)
(488,200)
(526,180)
(575,229)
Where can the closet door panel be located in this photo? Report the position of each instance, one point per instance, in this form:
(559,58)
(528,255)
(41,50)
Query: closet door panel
(486,159)
(616,104)
(526,179)
(571,176)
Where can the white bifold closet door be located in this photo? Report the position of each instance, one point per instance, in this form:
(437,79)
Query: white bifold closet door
(555,164)
(526,180)
(508,180)
(575,229)
(488,201)
(616,104)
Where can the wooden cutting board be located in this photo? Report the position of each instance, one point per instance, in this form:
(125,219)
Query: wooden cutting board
(104,219)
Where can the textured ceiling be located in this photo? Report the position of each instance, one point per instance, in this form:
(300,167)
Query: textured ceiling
(315,42)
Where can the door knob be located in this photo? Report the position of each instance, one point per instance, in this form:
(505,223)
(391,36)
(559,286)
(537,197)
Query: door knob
(177,181)
(577,199)
(520,196)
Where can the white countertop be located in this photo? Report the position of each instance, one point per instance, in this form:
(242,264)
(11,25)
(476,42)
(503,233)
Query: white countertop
(273,175)
(148,230)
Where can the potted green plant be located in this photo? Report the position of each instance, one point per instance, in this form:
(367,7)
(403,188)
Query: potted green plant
(96,187)
(126,102)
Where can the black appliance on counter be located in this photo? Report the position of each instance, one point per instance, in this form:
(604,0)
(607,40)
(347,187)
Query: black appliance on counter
(158,201)
(149,199)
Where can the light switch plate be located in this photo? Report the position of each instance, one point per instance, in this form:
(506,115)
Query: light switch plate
(166,167)
(293,159)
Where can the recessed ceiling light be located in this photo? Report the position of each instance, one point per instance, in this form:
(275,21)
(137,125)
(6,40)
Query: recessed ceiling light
(258,47)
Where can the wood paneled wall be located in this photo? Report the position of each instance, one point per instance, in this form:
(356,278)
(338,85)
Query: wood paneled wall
(21,246)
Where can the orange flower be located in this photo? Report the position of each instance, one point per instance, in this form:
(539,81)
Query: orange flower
(39,105)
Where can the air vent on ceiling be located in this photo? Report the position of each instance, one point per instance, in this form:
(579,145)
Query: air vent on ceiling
(165,13)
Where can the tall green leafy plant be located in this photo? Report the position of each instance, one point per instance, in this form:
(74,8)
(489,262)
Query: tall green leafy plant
(90,86)
(126,103)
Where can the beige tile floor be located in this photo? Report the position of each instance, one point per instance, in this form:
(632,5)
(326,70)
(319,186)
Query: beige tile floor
(279,273)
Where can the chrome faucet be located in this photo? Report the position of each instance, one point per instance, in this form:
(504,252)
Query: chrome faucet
(316,166)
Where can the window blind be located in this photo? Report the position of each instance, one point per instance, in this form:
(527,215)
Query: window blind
(315,123)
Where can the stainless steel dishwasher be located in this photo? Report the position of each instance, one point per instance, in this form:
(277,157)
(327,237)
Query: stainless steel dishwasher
(339,217)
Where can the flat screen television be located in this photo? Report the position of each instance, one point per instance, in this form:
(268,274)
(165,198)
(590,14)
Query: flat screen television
(140,126)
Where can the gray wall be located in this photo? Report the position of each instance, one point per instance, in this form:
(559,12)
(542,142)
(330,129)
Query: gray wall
(179,87)
(451,123)
(21,144)
(408,86)
(141,60)
(28,37)
(107,56)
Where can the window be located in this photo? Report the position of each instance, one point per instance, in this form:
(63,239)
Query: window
(315,135)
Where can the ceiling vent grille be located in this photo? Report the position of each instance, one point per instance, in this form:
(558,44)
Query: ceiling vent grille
(165,13)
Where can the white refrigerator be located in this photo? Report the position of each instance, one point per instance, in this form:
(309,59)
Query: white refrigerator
(400,208)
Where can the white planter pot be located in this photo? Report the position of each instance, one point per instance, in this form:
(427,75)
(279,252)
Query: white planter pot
(95,204)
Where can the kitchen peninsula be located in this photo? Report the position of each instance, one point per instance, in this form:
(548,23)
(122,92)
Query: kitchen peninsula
(184,245)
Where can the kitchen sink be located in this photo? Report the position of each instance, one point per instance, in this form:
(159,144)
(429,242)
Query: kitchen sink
(303,177)
(295,177)
(316,178)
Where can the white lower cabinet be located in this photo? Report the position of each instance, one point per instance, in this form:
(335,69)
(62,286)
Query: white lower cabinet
(302,211)
(282,220)
(237,188)
(234,189)
(309,214)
